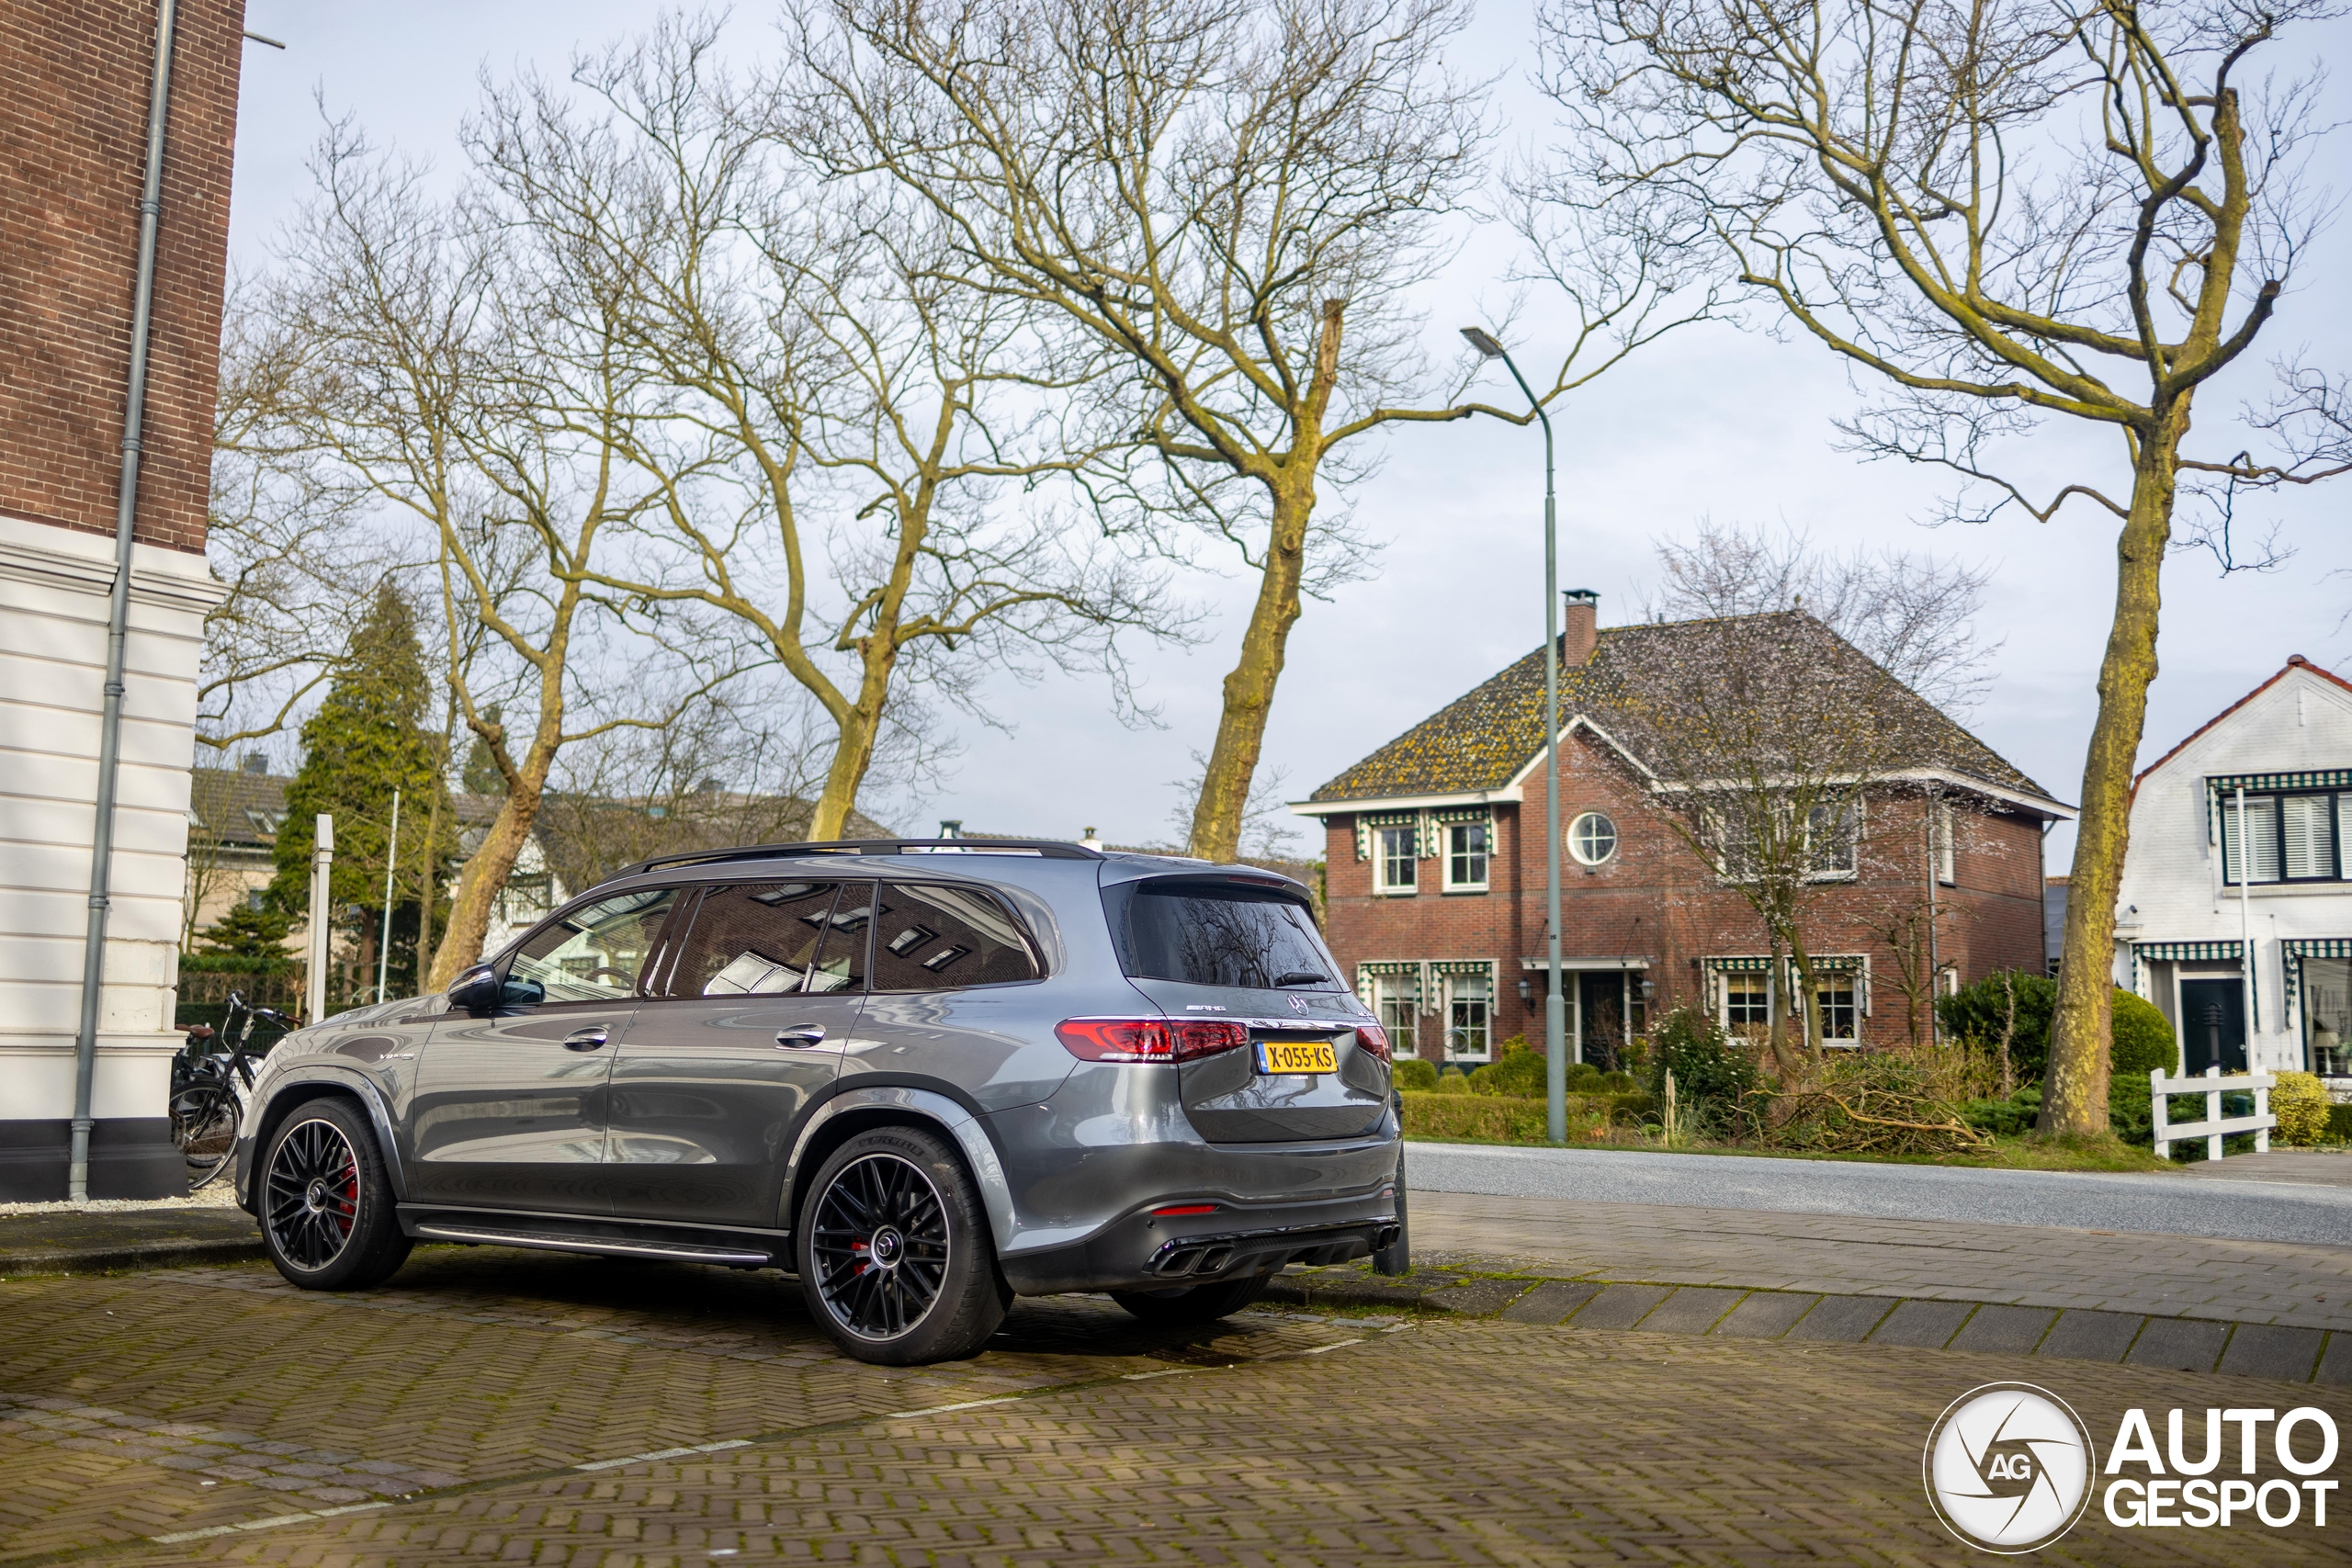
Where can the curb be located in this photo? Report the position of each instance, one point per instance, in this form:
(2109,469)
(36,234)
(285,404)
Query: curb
(2278,1352)
(135,1255)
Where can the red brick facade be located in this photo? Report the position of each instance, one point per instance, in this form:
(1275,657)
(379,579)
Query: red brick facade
(75,80)
(1654,908)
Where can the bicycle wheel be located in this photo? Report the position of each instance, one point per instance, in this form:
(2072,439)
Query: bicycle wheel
(204,1127)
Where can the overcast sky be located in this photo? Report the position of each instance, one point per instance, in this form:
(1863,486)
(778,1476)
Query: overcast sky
(1718,424)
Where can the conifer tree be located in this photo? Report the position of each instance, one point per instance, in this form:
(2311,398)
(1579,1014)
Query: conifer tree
(368,738)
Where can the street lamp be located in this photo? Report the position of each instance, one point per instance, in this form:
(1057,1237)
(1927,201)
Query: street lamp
(1555,1020)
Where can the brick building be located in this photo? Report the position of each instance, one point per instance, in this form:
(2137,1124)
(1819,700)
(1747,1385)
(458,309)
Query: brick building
(1435,856)
(76,77)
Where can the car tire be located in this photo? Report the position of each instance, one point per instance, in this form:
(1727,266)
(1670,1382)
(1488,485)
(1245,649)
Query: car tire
(895,1256)
(1193,1303)
(328,1215)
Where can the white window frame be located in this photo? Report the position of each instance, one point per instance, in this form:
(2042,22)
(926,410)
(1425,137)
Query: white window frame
(1388,990)
(1380,858)
(1945,832)
(1485,857)
(1850,811)
(1724,979)
(1447,1000)
(1854,985)
(1616,837)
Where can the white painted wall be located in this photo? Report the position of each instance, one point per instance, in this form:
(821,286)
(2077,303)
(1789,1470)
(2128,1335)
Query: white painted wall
(2172,888)
(53,589)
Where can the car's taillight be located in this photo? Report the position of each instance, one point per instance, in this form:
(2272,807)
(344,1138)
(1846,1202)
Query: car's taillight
(1148,1039)
(1371,1037)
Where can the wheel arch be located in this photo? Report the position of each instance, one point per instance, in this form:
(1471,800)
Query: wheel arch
(857,1111)
(291,1094)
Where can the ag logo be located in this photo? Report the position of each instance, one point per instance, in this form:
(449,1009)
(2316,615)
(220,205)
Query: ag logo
(2009,1467)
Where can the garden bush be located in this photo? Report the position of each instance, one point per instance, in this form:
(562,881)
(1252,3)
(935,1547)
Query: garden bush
(1518,1070)
(2339,1124)
(1453,1083)
(2301,1106)
(1713,1074)
(2142,1041)
(1978,1012)
(1411,1075)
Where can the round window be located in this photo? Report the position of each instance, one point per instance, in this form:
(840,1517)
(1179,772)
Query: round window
(1592,838)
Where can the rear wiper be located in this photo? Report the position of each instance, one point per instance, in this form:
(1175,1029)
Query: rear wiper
(1302,977)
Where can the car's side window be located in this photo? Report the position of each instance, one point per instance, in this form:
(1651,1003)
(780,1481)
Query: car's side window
(594,953)
(765,939)
(930,938)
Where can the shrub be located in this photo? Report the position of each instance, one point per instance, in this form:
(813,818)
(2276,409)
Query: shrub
(1518,1071)
(1713,1074)
(2301,1106)
(2339,1123)
(1868,1102)
(2010,1118)
(2130,1110)
(1499,1118)
(1453,1083)
(1980,1010)
(2142,1041)
(1411,1075)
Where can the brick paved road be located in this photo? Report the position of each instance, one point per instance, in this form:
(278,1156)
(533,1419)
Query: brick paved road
(469,1413)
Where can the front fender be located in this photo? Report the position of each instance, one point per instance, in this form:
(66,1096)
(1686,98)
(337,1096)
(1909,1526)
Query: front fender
(311,1075)
(951,1118)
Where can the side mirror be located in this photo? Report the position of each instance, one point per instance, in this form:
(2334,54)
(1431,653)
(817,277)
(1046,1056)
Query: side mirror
(476,990)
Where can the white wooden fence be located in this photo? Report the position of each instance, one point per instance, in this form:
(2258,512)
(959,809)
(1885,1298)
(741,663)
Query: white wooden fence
(2215,1127)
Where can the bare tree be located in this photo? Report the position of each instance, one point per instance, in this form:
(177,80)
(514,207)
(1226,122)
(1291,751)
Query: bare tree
(427,374)
(1911,614)
(850,441)
(2008,211)
(1232,199)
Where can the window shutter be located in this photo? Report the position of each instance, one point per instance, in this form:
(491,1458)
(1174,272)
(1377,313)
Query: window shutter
(2309,834)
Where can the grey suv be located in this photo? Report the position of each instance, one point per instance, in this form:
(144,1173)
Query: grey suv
(926,1076)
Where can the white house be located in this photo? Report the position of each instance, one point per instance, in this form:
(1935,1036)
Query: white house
(2279,760)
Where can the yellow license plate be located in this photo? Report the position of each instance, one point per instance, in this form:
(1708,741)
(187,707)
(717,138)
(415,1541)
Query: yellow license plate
(1298,1056)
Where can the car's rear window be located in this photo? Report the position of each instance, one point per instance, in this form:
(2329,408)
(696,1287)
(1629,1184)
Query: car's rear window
(1211,934)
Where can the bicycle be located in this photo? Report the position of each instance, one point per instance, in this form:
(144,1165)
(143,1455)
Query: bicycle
(208,1087)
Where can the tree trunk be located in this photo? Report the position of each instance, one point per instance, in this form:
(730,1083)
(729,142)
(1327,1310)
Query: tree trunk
(2074,1096)
(484,877)
(853,755)
(1250,688)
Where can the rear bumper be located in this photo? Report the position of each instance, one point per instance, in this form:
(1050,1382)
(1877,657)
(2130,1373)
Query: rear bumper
(1145,1251)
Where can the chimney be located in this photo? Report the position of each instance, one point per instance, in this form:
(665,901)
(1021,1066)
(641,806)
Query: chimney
(1580,630)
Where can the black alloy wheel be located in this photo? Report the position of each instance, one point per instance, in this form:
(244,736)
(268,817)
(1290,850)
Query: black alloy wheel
(312,1196)
(882,1246)
(894,1251)
(327,1207)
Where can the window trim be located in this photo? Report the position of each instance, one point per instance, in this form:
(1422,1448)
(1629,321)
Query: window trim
(1849,810)
(1446,974)
(2276,800)
(1616,837)
(1445,857)
(874,936)
(1380,858)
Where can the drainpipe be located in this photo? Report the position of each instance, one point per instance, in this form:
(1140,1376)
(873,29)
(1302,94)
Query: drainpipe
(151,206)
(2245,928)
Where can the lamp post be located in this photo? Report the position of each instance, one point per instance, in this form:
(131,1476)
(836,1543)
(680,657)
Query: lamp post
(1556,1021)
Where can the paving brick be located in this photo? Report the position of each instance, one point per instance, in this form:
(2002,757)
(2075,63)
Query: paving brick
(1621,1306)
(1926,1325)
(2336,1362)
(2265,1350)
(1476,1298)
(2185,1344)
(1551,1302)
(2004,1330)
(1841,1320)
(2088,1336)
(1694,1309)
(1765,1315)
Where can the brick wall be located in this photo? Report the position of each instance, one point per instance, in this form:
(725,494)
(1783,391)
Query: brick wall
(74,79)
(1655,900)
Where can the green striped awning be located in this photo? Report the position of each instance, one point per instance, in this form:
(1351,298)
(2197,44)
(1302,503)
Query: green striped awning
(2326,778)
(2318,946)
(1399,967)
(2185,952)
(1739,966)
(1462,966)
(1448,814)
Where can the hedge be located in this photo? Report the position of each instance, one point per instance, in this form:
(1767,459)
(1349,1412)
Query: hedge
(1510,1119)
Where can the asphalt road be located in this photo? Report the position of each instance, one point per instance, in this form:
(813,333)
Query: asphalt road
(2239,1210)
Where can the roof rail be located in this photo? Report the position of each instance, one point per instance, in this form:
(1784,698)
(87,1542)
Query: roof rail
(1048,849)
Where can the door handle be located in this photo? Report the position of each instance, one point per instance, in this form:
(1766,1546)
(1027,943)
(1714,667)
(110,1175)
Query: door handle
(591,1038)
(802,1037)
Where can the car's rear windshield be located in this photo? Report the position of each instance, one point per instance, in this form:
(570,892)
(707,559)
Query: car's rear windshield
(1224,934)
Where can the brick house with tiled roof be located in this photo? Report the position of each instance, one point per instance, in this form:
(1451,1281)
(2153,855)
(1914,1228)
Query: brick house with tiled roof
(1435,857)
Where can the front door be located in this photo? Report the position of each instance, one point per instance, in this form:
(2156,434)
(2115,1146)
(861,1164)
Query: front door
(510,1108)
(1601,1018)
(2213,1025)
(735,1044)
